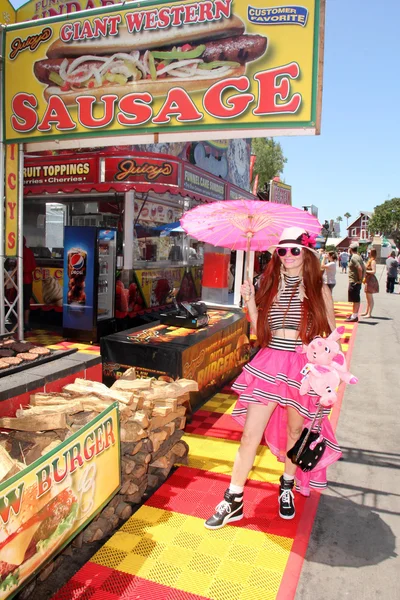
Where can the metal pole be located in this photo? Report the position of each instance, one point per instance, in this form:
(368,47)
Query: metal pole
(20,265)
(129,217)
(2,207)
(251,265)
(2,244)
(238,277)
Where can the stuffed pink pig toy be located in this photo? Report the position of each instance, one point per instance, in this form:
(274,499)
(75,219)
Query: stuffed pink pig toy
(323,381)
(326,367)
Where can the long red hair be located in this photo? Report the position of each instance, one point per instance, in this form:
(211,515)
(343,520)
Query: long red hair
(314,320)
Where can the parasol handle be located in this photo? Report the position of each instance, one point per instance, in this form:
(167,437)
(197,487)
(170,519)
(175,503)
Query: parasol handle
(247,269)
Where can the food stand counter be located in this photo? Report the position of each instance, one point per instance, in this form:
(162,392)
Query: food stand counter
(212,356)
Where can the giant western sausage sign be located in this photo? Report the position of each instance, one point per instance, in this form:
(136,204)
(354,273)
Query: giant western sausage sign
(220,66)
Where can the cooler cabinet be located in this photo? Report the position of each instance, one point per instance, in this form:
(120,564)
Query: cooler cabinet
(89,283)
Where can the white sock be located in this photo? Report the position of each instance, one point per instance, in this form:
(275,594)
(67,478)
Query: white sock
(354,315)
(235,489)
(288,477)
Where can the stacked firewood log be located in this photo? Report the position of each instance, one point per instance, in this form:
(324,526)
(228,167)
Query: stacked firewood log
(152,419)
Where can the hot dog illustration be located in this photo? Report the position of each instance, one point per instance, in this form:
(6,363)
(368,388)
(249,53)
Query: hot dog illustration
(155,61)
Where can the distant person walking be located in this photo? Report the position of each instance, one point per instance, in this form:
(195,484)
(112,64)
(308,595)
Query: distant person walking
(344,260)
(328,265)
(371,283)
(356,276)
(391,267)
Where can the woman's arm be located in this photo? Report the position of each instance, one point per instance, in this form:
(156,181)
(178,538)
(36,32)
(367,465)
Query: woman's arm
(249,295)
(253,314)
(329,307)
(324,266)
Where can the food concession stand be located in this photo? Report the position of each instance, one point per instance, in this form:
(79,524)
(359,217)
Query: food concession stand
(137,193)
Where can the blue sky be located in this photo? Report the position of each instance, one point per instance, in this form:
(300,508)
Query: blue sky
(352,165)
(18,3)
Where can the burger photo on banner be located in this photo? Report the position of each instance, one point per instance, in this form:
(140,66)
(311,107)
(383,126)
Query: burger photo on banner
(221,64)
(29,537)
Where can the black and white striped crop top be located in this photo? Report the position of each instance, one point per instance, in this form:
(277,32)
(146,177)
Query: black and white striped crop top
(283,316)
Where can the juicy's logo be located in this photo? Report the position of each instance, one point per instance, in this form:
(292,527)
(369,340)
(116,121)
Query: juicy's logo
(129,167)
(30,43)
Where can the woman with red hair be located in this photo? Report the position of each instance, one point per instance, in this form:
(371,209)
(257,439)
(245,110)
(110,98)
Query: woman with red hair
(291,307)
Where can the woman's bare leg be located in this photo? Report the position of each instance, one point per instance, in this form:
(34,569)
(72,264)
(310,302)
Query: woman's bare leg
(231,507)
(257,419)
(368,308)
(371,306)
(295,424)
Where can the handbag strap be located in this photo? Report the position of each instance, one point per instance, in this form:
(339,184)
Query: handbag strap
(318,415)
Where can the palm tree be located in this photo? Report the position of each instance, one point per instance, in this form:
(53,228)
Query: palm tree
(347,215)
(339,220)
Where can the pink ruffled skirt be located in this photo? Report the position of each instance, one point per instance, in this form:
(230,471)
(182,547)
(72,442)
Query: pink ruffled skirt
(275,376)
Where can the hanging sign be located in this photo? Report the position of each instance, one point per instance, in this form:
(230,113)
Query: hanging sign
(57,171)
(220,67)
(201,182)
(138,169)
(11,201)
(280,193)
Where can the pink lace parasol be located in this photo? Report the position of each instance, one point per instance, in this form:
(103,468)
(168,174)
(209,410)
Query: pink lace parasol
(245,224)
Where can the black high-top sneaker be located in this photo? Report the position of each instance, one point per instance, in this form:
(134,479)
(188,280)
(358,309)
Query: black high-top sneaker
(286,499)
(230,509)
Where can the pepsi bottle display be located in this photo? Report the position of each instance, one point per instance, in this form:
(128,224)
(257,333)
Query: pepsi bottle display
(77,262)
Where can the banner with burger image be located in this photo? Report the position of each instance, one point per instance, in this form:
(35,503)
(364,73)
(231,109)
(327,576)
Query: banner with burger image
(216,360)
(168,66)
(48,503)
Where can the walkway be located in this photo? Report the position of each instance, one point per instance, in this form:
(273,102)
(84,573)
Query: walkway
(164,552)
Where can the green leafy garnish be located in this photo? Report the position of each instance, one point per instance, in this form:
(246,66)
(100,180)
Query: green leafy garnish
(179,55)
(10,581)
(218,63)
(115,78)
(152,66)
(61,529)
(56,78)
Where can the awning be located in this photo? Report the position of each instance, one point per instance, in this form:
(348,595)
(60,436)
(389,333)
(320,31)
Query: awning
(171,228)
(120,172)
